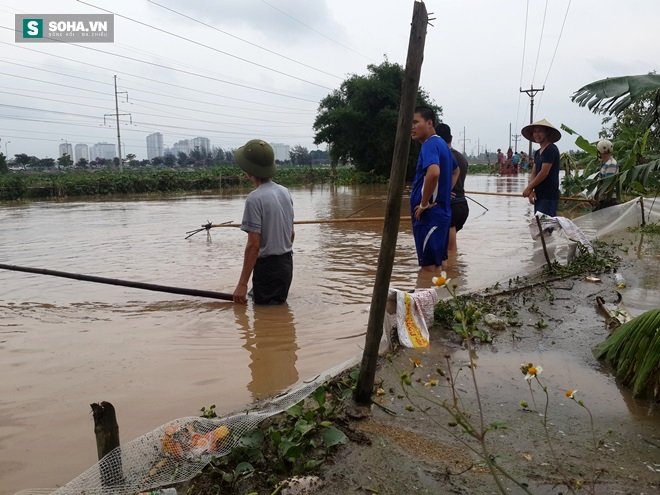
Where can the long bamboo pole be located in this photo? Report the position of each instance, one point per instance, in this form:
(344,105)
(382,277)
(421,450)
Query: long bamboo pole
(309,222)
(123,283)
(518,195)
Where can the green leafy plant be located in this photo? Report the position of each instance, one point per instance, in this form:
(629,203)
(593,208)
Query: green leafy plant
(634,350)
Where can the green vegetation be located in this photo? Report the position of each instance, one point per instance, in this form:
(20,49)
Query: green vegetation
(21,185)
(294,443)
(634,351)
(633,105)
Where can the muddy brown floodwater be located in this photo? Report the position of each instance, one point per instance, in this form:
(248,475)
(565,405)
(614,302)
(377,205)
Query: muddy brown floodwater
(65,344)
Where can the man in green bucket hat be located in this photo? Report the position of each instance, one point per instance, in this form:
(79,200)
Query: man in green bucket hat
(268,221)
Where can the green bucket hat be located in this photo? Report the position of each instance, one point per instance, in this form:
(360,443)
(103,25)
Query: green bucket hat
(256,158)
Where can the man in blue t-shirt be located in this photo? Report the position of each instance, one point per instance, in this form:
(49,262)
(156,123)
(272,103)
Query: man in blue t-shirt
(543,187)
(435,176)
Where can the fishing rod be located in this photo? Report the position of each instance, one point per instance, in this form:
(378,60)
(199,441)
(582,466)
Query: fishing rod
(519,195)
(124,283)
(477,203)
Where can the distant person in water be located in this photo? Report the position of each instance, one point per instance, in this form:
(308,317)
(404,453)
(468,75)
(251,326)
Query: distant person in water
(435,176)
(268,221)
(459,205)
(608,167)
(543,187)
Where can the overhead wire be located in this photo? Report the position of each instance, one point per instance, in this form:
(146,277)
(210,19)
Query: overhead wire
(136,123)
(205,46)
(538,53)
(154,80)
(522,65)
(267,123)
(243,40)
(317,32)
(162,66)
(556,48)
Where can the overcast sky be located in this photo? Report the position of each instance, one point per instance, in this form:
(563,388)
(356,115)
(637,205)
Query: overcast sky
(292,53)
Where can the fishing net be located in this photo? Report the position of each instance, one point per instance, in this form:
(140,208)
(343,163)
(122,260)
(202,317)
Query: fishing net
(177,451)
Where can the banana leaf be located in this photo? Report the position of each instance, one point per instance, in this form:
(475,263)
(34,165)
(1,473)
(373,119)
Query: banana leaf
(634,351)
(615,94)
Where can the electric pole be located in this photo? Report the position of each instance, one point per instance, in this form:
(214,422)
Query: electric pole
(117,114)
(509,134)
(516,138)
(531,93)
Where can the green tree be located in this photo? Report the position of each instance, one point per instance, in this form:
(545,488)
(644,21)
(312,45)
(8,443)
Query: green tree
(82,163)
(359,119)
(169,160)
(300,156)
(22,159)
(4,168)
(64,161)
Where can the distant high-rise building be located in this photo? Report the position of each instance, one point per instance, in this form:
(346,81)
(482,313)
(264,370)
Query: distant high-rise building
(81,151)
(182,146)
(103,150)
(281,151)
(154,145)
(66,149)
(200,142)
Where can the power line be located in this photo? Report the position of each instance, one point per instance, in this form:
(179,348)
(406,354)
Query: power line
(540,41)
(243,40)
(558,40)
(147,78)
(178,116)
(317,32)
(522,65)
(170,68)
(156,125)
(204,45)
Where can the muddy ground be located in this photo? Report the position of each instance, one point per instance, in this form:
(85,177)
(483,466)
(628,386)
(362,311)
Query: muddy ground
(412,452)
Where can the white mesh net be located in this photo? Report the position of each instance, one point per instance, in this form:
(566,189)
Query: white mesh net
(177,451)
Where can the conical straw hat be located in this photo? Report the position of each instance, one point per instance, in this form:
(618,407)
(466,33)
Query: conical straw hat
(553,133)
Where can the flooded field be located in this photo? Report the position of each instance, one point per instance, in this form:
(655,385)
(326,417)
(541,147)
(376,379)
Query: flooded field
(65,344)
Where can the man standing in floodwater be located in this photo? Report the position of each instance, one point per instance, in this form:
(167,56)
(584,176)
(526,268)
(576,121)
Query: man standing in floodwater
(543,188)
(459,205)
(435,175)
(268,221)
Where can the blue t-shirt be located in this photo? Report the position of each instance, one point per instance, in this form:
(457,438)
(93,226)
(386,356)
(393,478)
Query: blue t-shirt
(434,152)
(549,188)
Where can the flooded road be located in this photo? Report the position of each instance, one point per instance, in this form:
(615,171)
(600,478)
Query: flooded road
(65,344)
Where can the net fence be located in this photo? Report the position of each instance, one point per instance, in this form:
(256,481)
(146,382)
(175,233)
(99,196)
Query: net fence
(177,451)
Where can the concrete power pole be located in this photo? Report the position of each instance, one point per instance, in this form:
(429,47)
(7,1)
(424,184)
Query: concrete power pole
(531,93)
(516,138)
(117,114)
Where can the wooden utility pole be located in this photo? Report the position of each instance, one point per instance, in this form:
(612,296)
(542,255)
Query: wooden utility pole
(365,384)
(531,93)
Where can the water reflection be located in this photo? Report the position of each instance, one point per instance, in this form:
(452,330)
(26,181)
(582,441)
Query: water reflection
(270,338)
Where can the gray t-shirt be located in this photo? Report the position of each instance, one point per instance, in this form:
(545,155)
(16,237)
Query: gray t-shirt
(269,212)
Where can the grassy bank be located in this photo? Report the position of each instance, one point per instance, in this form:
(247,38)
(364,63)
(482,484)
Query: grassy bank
(26,185)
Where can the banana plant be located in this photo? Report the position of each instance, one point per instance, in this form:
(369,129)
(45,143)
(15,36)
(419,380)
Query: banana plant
(639,166)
